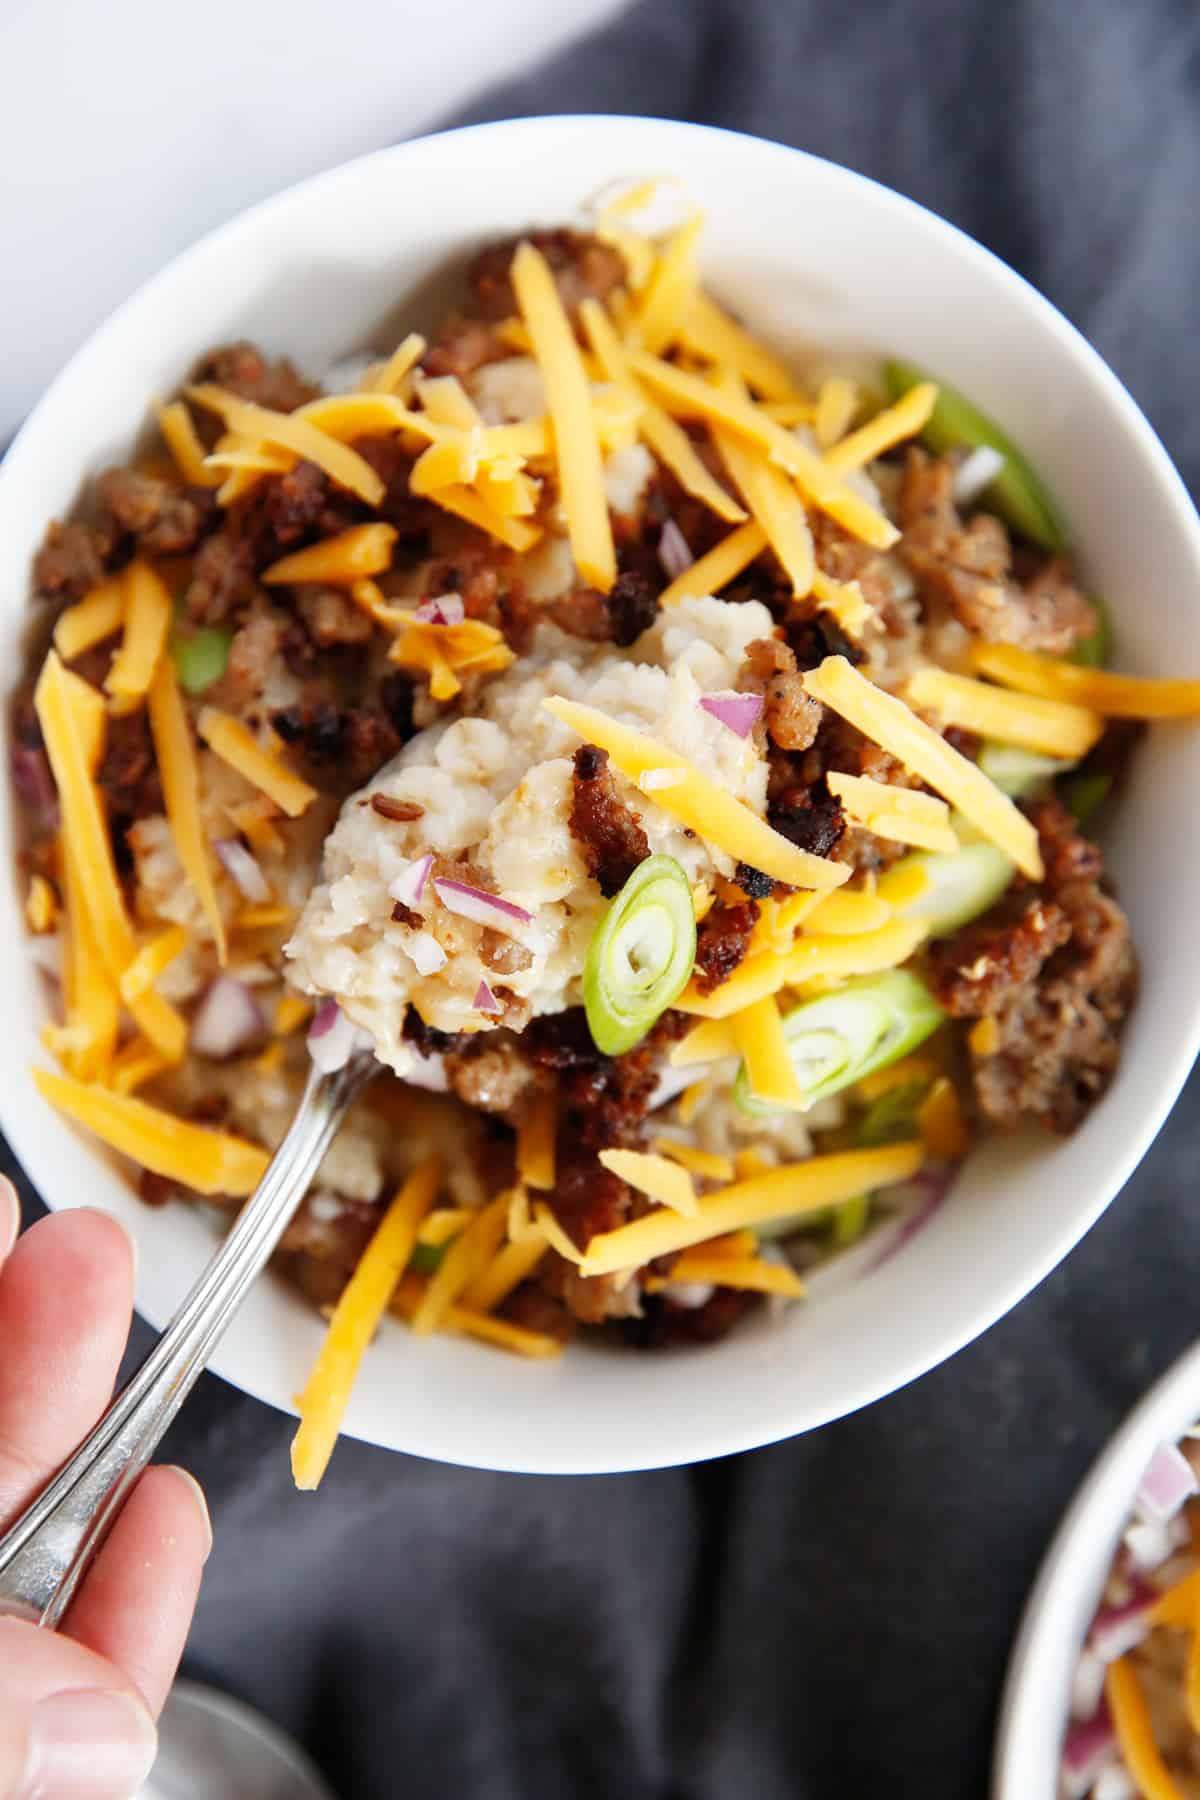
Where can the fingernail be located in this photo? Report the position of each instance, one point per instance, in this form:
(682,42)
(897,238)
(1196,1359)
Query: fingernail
(87,1744)
(201,1504)
(10,1216)
(125,1233)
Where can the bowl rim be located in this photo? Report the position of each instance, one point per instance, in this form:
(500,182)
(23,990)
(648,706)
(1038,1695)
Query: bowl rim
(1070,1580)
(943,1338)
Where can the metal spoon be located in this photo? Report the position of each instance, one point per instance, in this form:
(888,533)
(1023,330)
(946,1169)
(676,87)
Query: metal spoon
(44,1554)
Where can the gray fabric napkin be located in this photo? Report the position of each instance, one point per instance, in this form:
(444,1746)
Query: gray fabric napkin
(829,1618)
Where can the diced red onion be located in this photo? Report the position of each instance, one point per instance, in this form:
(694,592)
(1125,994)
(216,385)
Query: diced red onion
(34,782)
(1088,1748)
(485,1001)
(1167,1483)
(978,471)
(242,870)
(332,1038)
(673,551)
(932,1185)
(409,885)
(483,908)
(446,609)
(1119,1629)
(227,1020)
(426,953)
(740,712)
(1087,1685)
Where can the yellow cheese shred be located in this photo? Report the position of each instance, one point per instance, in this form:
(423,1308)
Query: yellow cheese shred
(151,961)
(175,754)
(322,1405)
(502,1334)
(657,1176)
(97,616)
(182,440)
(295,432)
(388,377)
(902,814)
(547,1222)
(147,621)
(884,431)
(719,566)
(691,1100)
(716,816)
(669,293)
(699,1162)
(41,906)
(837,402)
(774,502)
(536,1133)
(708,331)
(695,397)
(944,1131)
(445,1222)
(706,1042)
(92,1001)
(894,726)
(447,402)
(580,469)
(135,1064)
(255,820)
(1135,1733)
(468,1256)
(511,1265)
(845,600)
(793,1188)
(1054,727)
(290,1013)
(234,744)
(208,1161)
(846,914)
(669,442)
(464,503)
(340,560)
(1116,696)
(983,1039)
(758,1034)
(747,1272)
(810,958)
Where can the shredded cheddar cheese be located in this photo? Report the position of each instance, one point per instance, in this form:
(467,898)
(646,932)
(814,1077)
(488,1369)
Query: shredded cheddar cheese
(699,803)
(97,616)
(1135,1733)
(468,505)
(669,293)
(41,906)
(298,433)
(775,504)
(845,914)
(388,377)
(147,621)
(135,1064)
(1054,727)
(233,743)
(721,565)
(151,961)
(708,331)
(698,1162)
(691,1100)
(657,1176)
(706,1042)
(182,440)
(887,429)
(208,1161)
(759,1036)
(511,1265)
(751,1273)
(291,1012)
(902,814)
(861,954)
(894,726)
(502,1334)
(793,1188)
(944,1131)
(536,1133)
(356,1317)
(580,470)
(176,756)
(340,560)
(837,403)
(469,1254)
(1116,696)
(983,1039)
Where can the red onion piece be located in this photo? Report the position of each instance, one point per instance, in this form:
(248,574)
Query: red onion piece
(484,908)
(1086,1751)
(485,1001)
(409,885)
(242,870)
(445,609)
(35,784)
(740,712)
(673,551)
(227,1020)
(332,1038)
(1118,1629)
(1167,1483)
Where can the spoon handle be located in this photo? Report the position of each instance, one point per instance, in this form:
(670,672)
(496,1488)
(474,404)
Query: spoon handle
(45,1552)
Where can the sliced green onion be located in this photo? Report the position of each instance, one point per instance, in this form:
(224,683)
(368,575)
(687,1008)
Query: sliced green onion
(1016,494)
(1018,772)
(428,1257)
(1095,650)
(850,1221)
(962,884)
(640,956)
(893,1117)
(1084,794)
(836,1040)
(200,657)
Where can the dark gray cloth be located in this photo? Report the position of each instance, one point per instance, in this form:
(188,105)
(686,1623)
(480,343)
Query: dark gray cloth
(829,1618)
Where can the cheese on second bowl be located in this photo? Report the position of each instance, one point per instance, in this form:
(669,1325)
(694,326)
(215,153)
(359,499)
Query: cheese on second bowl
(495,791)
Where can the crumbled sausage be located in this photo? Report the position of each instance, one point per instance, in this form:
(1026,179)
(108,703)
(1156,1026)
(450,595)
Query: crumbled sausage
(583,268)
(722,941)
(969,568)
(608,832)
(72,559)
(242,369)
(808,816)
(163,517)
(792,717)
(330,617)
(980,968)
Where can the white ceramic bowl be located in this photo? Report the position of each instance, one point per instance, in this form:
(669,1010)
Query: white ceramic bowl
(812,255)
(1063,1601)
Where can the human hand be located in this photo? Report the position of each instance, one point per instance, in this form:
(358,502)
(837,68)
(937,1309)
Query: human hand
(77,1706)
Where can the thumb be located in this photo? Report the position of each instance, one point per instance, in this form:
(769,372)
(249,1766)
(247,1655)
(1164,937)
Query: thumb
(71,1725)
